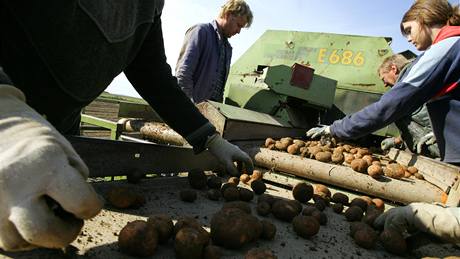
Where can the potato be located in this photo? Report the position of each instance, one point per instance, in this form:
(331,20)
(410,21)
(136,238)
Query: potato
(188,195)
(375,171)
(164,226)
(302,192)
(377,162)
(259,253)
(124,197)
(189,222)
(368,159)
(305,226)
(412,169)
(244,178)
(285,210)
(354,213)
(190,243)
(263,208)
(395,171)
(313,150)
(197,179)
(337,158)
(320,202)
(214,182)
(360,202)
(232,228)
(258,186)
(364,151)
(256,175)
(339,197)
(293,149)
(337,208)
(371,215)
(379,204)
(299,142)
(138,238)
(339,150)
(269,141)
(287,140)
(359,165)
(234,179)
(419,176)
(309,209)
(366,237)
(367,199)
(268,230)
(245,194)
(393,242)
(324,156)
(322,190)
(225,186)
(281,146)
(266,198)
(349,158)
(320,216)
(244,206)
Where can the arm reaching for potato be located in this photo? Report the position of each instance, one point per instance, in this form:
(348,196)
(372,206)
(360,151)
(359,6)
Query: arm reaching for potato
(439,221)
(40,175)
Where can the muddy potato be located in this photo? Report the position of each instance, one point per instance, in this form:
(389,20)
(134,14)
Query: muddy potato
(367,199)
(353,151)
(322,190)
(364,151)
(299,142)
(231,193)
(243,206)
(377,162)
(360,202)
(304,152)
(213,194)
(375,171)
(232,228)
(412,169)
(190,243)
(339,197)
(309,209)
(197,179)
(359,165)
(395,171)
(138,238)
(371,215)
(320,216)
(305,226)
(234,179)
(314,150)
(379,204)
(324,156)
(357,225)
(368,159)
(183,222)
(245,194)
(393,242)
(245,178)
(256,175)
(225,186)
(281,146)
(337,208)
(354,213)
(270,199)
(164,226)
(349,158)
(366,238)
(124,197)
(285,210)
(337,158)
(188,195)
(339,149)
(212,252)
(287,140)
(214,182)
(407,174)
(268,230)
(320,202)
(419,176)
(302,192)
(293,149)
(263,208)
(269,141)
(260,253)
(258,186)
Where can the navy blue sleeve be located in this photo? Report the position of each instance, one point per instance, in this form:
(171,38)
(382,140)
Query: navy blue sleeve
(430,72)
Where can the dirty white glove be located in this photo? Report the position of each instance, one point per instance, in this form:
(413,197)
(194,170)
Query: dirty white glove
(437,220)
(38,170)
(227,153)
(318,132)
(391,142)
(428,139)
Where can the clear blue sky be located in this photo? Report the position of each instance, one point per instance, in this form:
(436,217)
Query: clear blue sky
(357,17)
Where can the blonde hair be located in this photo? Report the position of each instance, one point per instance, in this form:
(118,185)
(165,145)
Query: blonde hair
(397,59)
(431,13)
(237,8)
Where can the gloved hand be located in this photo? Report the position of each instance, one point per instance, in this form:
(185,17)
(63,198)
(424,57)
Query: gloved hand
(228,153)
(318,132)
(388,143)
(429,218)
(43,192)
(428,139)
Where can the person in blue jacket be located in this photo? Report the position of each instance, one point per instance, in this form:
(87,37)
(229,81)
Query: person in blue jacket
(433,27)
(204,60)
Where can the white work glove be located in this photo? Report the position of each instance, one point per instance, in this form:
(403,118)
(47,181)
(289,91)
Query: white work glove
(388,143)
(428,139)
(318,132)
(227,153)
(439,221)
(38,170)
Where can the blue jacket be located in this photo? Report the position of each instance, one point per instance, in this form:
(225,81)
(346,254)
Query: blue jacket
(432,71)
(198,61)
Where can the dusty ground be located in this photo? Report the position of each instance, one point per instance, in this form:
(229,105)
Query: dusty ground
(99,236)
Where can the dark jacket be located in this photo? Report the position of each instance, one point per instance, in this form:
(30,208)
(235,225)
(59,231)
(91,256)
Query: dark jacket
(431,72)
(63,54)
(196,68)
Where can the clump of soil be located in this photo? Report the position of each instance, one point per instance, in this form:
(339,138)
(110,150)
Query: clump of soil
(305,226)
(302,192)
(393,242)
(354,213)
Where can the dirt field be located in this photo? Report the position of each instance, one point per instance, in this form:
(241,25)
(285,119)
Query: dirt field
(99,236)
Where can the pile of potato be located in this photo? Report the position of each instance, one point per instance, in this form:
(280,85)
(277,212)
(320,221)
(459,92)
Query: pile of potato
(359,159)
